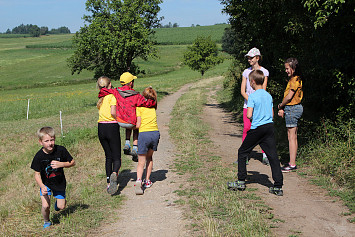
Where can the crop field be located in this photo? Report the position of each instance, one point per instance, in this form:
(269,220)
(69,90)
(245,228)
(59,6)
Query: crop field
(186,35)
(40,76)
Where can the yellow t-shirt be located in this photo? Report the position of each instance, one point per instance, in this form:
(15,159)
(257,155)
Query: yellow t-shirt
(148,119)
(105,109)
(295,84)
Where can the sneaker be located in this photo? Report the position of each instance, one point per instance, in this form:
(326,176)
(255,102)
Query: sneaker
(127,149)
(288,168)
(138,188)
(112,189)
(47,224)
(134,155)
(276,191)
(56,207)
(265,160)
(147,183)
(237,185)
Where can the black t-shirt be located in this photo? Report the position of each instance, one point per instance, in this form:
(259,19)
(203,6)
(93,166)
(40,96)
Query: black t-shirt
(52,178)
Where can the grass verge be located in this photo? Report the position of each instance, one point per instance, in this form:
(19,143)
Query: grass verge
(215,210)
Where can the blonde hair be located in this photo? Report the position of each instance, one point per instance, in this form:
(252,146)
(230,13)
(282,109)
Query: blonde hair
(150,94)
(45,131)
(102,82)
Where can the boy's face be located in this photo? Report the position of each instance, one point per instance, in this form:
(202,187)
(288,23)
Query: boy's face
(48,143)
(252,83)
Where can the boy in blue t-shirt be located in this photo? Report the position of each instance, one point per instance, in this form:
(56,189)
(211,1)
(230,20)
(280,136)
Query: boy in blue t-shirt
(260,111)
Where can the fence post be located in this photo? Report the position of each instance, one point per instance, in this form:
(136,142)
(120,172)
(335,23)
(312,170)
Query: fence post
(28,107)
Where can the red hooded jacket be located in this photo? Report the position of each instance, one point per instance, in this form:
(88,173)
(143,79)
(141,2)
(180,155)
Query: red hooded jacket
(127,101)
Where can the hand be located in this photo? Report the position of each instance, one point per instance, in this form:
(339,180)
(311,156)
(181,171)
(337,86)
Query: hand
(281,113)
(56,164)
(44,190)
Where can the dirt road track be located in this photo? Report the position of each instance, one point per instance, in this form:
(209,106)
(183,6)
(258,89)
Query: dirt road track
(305,209)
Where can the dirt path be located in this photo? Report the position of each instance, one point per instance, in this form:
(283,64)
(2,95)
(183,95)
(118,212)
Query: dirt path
(305,209)
(154,213)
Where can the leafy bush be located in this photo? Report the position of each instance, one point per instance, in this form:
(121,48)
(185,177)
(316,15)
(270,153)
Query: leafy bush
(332,152)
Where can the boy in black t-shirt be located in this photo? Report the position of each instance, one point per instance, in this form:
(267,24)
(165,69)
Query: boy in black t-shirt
(48,165)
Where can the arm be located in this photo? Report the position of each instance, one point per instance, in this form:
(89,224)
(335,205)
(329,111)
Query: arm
(113,111)
(57,164)
(40,183)
(265,83)
(243,87)
(139,120)
(250,113)
(287,99)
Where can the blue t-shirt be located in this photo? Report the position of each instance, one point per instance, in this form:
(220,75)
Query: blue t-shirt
(261,102)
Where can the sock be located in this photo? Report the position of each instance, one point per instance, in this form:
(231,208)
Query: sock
(135,147)
(128,142)
(139,180)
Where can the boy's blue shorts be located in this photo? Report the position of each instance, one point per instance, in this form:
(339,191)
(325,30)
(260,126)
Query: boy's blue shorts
(56,194)
(148,140)
(292,114)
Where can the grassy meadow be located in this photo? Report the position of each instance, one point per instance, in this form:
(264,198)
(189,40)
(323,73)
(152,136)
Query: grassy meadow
(40,74)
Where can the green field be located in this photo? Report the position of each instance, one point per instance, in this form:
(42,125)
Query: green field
(40,75)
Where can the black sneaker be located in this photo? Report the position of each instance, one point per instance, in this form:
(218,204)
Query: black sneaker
(237,185)
(127,149)
(288,168)
(134,155)
(276,191)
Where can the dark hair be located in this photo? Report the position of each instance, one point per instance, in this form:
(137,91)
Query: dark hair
(293,62)
(257,76)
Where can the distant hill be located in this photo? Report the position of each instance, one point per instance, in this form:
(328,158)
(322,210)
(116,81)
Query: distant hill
(186,35)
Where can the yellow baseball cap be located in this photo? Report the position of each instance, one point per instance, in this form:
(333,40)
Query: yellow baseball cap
(126,77)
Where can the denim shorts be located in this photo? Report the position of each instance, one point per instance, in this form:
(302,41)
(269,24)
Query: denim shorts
(56,194)
(148,140)
(292,114)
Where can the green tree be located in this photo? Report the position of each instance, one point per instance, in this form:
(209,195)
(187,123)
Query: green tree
(44,30)
(319,33)
(118,31)
(202,55)
(34,31)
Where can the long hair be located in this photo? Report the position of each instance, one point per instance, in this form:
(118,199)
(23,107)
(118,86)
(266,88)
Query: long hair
(150,93)
(293,62)
(102,82)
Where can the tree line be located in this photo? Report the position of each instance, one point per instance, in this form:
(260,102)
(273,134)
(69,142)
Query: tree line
(36,31)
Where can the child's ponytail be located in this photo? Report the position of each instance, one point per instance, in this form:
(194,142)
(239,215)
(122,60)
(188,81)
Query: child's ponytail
(102,82)
(150,94)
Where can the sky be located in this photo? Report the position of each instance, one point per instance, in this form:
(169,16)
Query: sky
(69,13)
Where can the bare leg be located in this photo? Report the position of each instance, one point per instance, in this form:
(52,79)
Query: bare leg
(140,166)
(135,137)
(46,203)
(128,134)
(292,144)
(61,203)
(149,165)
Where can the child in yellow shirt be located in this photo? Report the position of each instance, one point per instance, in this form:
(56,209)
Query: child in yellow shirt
(148,140)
